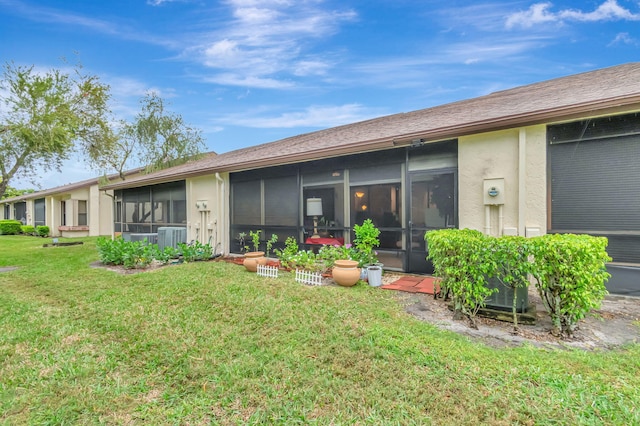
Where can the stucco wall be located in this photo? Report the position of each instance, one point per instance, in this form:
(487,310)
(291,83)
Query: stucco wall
(100,212)
(210,224)
(497,155)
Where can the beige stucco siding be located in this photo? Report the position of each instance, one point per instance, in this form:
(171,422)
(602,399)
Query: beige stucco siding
(209,224)
(497,155)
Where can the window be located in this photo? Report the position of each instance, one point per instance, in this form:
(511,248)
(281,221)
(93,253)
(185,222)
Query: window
(20,212)
(63,213)
(82,213)
(594,181)
(144,210)
(39,212)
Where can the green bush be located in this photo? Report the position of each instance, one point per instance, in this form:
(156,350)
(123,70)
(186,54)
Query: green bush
(509,258)
(570,276)
(569,270)
(130,254)
(287,254)
(366,240)
(460,258)
(10,227)
(42,231)
(27,230)
(195,251)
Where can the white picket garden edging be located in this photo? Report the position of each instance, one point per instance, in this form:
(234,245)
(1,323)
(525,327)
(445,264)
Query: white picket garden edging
(308,277)
(267,271)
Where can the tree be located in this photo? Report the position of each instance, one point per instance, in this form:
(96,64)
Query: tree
(11,192)
(156,138)
(44,118)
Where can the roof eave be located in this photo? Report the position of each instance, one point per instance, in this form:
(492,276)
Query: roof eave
(597,107)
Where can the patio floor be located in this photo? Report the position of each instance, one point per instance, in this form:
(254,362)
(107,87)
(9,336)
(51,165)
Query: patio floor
(414,284)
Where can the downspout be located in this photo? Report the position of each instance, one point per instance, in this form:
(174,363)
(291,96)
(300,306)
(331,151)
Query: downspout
(522,187)
(219,213)
(113,207)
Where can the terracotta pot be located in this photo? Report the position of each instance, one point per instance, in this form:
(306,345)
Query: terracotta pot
(346,272)
(253,259)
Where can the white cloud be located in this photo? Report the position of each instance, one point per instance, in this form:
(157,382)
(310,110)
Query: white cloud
(229,79)
(537,14)
(63,17)
(624,38)
(161,2)
(267,43)
(313,116)
(541,13)
(610,10)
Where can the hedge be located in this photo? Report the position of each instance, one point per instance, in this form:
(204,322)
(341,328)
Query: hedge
(569,270)
(42,231)
(10,227)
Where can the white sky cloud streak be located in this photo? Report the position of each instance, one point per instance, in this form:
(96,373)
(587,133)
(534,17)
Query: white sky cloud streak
(266,43)
(313,116)
(541,13)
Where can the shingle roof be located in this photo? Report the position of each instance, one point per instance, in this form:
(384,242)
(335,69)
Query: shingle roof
(64,188)
(590,93)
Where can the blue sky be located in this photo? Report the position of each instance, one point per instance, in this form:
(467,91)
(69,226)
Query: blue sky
(252,71)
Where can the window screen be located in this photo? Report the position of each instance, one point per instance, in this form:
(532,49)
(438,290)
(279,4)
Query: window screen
(281,197)
(246,203)
(594,189)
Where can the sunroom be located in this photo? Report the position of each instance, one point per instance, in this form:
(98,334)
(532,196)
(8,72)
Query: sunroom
(404,191)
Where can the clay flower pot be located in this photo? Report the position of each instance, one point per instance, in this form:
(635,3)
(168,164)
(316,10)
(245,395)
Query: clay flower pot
(346,272)
(253,259)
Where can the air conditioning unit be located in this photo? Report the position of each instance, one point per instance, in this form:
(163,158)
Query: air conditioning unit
(169,236)
(503,298)
(150,237)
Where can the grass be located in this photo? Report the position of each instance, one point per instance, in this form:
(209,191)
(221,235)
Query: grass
(209,343)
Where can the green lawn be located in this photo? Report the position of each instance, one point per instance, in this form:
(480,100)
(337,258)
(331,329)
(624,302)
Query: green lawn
(209,343)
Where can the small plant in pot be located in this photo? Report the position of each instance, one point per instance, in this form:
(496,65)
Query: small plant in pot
(342,262)
(254,258)
(366,240)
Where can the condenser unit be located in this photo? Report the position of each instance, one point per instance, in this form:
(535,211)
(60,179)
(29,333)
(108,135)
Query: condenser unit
(170,236)
(503,298)
(150,237)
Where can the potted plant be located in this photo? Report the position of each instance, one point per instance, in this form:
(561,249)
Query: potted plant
(254,258)
(344,268)
(366,240)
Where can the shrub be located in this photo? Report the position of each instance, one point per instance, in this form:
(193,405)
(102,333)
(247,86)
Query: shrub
(569,270)
(255,240)
(366,239)
(195,251)
(130,254)
(42,231)
(27,230)
(287,254)
(10,227)
(270,242)
(110,252)
(570,276)
(307,259)
(509,258)
(460,258)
